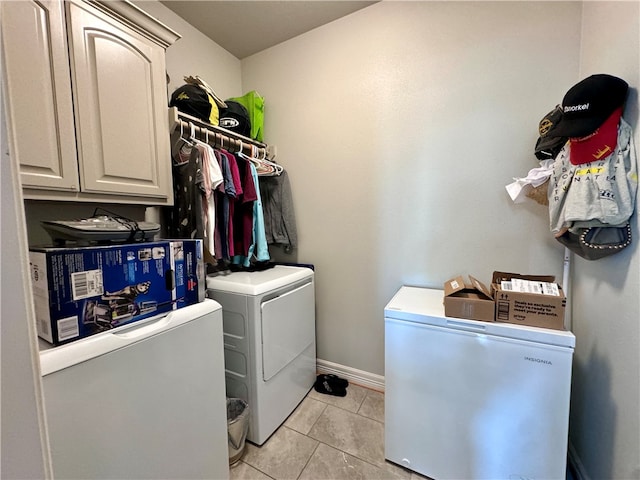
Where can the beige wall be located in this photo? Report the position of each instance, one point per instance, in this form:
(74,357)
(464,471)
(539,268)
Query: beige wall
(399,126)
(605,411)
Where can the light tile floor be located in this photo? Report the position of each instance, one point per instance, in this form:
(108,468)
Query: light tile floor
(326,438)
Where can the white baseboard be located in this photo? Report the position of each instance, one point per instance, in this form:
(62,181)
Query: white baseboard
(575,464)
(355,376)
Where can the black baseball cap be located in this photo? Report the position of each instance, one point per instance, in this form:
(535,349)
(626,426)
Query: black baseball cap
(548,146)
(192,100)
(589,103)
(235,118)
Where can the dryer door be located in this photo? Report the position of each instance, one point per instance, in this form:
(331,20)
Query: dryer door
(288,328)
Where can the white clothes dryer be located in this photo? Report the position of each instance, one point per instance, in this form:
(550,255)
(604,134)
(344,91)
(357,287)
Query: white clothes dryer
(269,341)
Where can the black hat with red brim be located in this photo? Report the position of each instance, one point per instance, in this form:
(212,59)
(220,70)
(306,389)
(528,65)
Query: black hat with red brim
(589,103)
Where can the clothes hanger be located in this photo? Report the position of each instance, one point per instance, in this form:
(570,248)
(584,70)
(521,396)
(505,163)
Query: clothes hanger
(264,167)
(182,147)
(278,169)
(269,170)
(182,137)
(195,141)
(198,141)
(251,158)
(183,144)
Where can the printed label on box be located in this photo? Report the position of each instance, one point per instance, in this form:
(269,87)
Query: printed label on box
(68,328)
(87,284)
(529,286)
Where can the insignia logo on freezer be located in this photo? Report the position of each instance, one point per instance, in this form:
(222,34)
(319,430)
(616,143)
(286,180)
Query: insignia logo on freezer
(538,360)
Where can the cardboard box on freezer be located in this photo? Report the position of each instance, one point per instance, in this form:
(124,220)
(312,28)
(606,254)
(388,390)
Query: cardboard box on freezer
(81,291)
(468,299)
(542,305)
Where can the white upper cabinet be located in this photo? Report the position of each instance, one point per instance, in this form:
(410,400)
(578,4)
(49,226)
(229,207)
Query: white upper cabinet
(38,94)
(120,99)
(108,114)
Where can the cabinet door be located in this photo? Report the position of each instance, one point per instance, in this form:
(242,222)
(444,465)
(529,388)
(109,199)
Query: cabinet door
(38,94)
(119,83)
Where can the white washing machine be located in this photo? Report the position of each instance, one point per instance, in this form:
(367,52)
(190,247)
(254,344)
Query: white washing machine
(269,341)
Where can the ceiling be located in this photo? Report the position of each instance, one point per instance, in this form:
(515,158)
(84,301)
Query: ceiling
(245,27)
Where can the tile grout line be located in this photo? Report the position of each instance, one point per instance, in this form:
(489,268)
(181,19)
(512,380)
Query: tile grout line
(316,420)
(353,455)
(350,454)
(255,468)
(310,457)
(358,407)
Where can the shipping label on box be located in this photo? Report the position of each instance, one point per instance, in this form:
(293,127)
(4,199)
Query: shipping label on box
(471,300)
(533,300)
(81,291)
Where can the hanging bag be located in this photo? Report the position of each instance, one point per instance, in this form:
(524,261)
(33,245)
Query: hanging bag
(254,104)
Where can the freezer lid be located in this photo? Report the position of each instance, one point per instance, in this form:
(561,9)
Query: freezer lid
(257,283)
(64,356)
(425,305)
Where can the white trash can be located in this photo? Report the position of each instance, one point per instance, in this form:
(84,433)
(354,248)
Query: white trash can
(237,427)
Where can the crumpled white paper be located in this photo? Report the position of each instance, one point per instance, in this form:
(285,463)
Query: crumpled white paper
(536,177)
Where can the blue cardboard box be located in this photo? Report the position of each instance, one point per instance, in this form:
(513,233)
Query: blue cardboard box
(81,291)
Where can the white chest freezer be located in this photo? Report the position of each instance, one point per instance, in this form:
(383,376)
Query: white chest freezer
(144,401)
(474,400)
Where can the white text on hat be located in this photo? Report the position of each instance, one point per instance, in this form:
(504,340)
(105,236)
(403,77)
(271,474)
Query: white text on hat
(575,108)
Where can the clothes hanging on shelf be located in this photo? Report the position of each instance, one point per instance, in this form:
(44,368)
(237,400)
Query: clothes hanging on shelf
(224,195)
(217,198)
(279,217)
(212,178)
(185,218)
(232,195)
(258,248)
(243,211)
